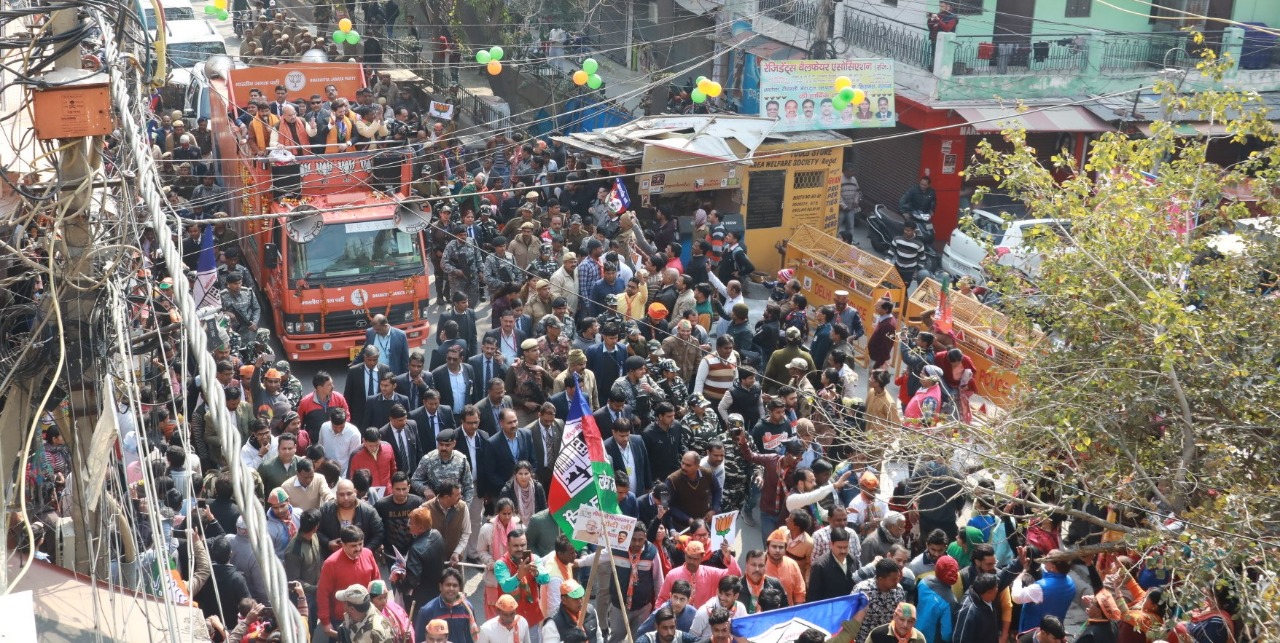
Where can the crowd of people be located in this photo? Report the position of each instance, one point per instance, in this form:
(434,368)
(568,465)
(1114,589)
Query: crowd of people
(431,467)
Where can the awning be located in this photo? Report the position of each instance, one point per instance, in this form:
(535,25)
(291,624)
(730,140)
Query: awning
(1068,118)
(1196,128)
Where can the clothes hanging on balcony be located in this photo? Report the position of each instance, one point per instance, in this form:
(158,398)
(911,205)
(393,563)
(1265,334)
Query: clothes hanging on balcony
(1040,51)
(986,50)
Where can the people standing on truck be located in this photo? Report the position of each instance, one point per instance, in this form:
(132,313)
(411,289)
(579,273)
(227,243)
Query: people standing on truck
(242,303)
(462,262)
(342,127)
(259,132)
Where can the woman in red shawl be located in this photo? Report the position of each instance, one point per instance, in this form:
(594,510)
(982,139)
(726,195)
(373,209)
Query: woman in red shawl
(959,376)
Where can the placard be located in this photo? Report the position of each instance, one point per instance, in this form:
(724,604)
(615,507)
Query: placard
(799,94)
(724,528)
(590,525)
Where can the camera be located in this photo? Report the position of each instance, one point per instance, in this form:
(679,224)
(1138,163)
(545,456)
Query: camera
(735,432)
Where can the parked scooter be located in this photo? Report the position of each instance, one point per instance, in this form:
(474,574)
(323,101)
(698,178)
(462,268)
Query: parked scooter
(886,225)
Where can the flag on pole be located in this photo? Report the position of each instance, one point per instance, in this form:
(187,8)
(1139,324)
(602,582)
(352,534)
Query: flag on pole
(206,288)
(619,199)
(944,318)
(583,474)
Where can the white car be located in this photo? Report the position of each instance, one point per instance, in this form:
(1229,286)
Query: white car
(999,223)
(173,10)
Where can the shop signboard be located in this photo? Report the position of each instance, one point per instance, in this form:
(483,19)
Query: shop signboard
(801,94)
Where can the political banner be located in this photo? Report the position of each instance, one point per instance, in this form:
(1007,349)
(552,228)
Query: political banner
(583,475)
(800,94)
(724,528)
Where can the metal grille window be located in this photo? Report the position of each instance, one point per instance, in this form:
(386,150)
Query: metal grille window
(1079,8)
(809,180)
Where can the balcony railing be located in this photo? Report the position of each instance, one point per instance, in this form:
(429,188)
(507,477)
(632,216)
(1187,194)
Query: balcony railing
(1145,52)
(977,56)
(797,13)
(898,41)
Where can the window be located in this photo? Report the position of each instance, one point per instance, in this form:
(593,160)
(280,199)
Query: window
(1079,8)
(968,7)
(809,180)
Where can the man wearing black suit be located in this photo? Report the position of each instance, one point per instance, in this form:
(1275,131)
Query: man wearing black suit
(466,320)
(606,359)
(402,434)
(615,409)
(473,444)
(629,457)
(454,380)
(827,579)
(508,337)
(413,383)
(509,445)
(362,382)
(450,332)
(432,418)
(492,405)
(754,565)
(486,366)
(377,409)
(562,400)
(547,432)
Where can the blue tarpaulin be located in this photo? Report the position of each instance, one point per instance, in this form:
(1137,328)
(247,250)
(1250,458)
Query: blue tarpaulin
(828,615)
(584,115)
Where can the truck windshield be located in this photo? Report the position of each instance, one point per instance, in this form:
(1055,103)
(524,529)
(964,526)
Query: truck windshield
(356,253)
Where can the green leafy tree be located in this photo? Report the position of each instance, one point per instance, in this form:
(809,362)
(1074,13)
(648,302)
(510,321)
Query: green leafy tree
(1157,402)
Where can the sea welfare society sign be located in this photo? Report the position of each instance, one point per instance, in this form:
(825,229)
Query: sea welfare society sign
(799,94)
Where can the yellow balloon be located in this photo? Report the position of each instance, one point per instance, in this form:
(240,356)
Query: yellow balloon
(344,24)
(580,77)
(713,89)
(705,85)
(220,4)
(858,97)
(842,82)
(494,67)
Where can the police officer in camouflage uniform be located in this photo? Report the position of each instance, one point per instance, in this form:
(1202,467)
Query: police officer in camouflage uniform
(545,264)
(702,425)
(242,304)
(290,385)
(488,227)
(438,236)
(463,263)
(501,273)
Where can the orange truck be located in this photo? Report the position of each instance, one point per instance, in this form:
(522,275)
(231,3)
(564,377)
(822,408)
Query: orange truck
(331,239)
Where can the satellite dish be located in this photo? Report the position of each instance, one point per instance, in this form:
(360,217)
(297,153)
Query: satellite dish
(305,223)
(314,56)
(412,221)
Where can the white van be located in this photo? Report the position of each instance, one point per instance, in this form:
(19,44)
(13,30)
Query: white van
(191,42)
(173,10)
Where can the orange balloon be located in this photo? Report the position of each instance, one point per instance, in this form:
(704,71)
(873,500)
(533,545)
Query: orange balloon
(579,78)
(494,67)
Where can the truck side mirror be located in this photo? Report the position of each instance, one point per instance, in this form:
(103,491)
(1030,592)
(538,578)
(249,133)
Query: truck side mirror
(271,256)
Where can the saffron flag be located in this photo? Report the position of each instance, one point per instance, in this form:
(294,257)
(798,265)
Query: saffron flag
(583,475)
(944,319)
(619,199)
(206,292)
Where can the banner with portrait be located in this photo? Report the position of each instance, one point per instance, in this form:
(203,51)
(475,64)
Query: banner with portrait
(801,94)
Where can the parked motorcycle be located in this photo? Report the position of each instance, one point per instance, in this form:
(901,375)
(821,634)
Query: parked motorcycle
(886,225)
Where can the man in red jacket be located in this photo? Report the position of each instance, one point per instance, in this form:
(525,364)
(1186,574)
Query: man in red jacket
(377,457)
(351,565)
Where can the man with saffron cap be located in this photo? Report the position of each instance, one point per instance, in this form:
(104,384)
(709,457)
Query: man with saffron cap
(701,578)
(778,565)
(508,626)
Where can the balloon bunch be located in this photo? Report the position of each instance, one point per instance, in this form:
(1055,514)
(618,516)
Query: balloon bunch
(587,75)
(846,95)
(706,88)
(345,34)
(218,9)
(491,58)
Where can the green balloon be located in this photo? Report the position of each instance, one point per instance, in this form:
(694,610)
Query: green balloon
(594,81)
(839,103)
(590,65)
(483,57)
(210,9)
(353,37)
(223,14)
(495,52)
(698,96)
(846,94)
(339,36)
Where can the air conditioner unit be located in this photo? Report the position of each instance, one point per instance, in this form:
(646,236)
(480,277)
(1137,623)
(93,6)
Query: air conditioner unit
(64,535)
